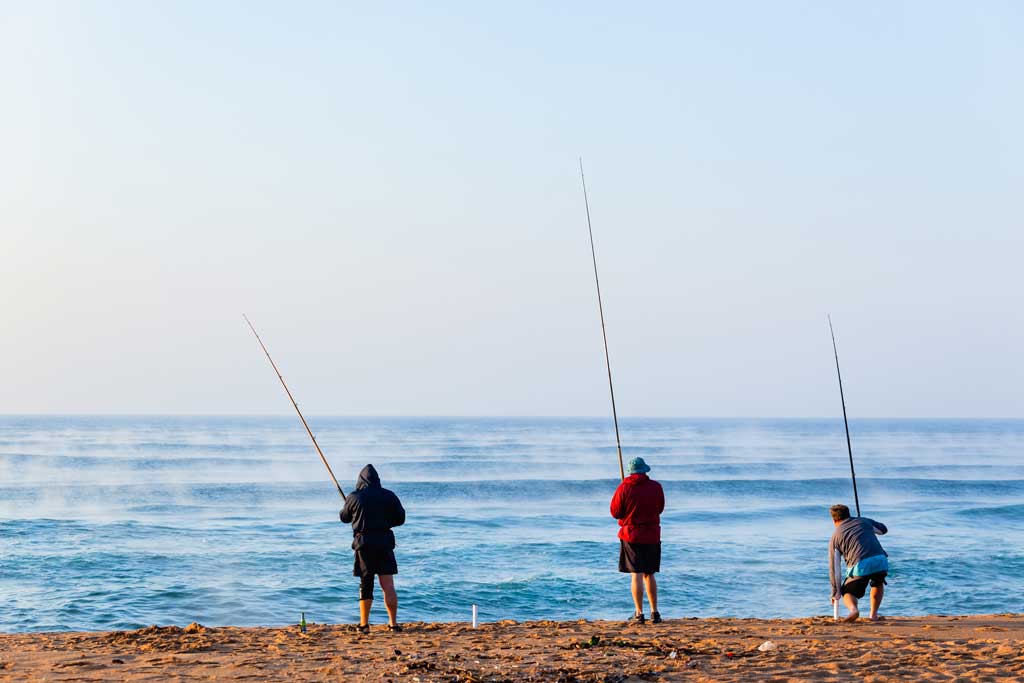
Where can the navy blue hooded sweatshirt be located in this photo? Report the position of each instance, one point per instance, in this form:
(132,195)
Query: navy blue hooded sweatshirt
(373,511)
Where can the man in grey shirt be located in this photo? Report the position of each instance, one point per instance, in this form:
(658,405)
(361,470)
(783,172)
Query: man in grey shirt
(866,561)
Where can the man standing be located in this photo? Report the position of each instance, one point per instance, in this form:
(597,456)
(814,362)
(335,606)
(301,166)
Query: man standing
(638,504)
(373,511)
(866,561)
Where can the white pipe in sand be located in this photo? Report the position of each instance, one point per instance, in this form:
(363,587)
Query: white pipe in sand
(474,617)
(837,569)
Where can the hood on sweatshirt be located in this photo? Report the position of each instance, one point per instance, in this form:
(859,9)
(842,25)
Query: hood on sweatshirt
(368,479)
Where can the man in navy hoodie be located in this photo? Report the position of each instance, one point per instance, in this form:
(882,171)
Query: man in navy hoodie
(638,504)
(373,511)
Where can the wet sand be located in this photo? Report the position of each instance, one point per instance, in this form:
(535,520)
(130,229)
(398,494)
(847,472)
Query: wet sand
(972,648)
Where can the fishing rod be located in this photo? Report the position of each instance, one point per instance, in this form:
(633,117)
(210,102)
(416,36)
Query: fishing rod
(604,334)
(846,423)
(837,557)
(304,423)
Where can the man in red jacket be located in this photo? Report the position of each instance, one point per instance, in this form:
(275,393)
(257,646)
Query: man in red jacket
(638,504)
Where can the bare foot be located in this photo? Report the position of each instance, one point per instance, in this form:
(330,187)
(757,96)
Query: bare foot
(852,617)
(876,617)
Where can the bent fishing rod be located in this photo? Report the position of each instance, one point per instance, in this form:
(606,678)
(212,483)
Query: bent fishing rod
(304,423)
(604,334)
(849,448)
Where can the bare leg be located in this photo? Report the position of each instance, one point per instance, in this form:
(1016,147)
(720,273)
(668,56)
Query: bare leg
(851,604)
(652,591)
(876,601)
(364,611)
(638,592)
(387,584)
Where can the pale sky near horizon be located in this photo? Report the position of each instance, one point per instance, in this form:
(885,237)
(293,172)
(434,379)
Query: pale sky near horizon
(392,195)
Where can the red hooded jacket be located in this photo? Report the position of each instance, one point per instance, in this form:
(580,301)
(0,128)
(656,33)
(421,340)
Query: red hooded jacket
(638,504)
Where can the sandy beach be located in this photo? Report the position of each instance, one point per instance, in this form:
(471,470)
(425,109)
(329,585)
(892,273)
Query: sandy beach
(935,648)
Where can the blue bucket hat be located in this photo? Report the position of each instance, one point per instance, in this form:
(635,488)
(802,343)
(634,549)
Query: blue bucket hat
(638,466)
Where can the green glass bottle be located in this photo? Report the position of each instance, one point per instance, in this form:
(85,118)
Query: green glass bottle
(302,623)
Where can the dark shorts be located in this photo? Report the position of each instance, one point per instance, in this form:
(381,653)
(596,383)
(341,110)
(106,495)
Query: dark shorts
(858,585)
(639,558)
(370,561)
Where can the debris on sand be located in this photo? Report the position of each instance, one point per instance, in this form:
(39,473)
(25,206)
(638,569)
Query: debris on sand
(710,651)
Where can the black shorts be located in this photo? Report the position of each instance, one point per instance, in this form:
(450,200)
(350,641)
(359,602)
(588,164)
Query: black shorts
(370,561)
(639,558)
(857,585)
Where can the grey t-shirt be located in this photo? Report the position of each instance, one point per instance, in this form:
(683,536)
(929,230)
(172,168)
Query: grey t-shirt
(855,539)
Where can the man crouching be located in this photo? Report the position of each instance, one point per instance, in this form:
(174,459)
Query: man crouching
(866,561)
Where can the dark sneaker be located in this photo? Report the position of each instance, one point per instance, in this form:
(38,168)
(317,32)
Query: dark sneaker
(396,628)
(637,619)
(363,628)
(655,617)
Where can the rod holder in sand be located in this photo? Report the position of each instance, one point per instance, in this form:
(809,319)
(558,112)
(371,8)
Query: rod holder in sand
(837,569)
(474,617)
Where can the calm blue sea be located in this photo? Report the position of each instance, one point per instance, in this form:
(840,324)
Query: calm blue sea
(112,523)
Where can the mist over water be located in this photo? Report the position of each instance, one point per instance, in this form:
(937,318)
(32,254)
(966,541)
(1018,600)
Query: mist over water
(123,522)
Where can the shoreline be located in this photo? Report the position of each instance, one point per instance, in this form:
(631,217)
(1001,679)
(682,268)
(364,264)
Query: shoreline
(965,648)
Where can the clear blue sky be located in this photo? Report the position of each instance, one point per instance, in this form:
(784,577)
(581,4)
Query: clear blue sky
(392,196)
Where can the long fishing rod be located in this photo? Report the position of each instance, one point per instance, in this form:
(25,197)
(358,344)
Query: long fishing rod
(849,448)
(304,423)
(604,334)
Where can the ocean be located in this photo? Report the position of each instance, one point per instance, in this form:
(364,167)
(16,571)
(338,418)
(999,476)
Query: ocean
(122,522)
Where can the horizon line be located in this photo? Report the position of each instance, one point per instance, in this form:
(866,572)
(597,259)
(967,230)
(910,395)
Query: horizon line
(437,416)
